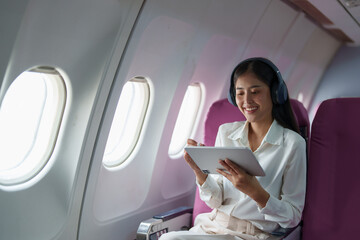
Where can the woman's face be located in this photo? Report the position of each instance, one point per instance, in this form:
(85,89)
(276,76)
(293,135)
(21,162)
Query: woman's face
(253,98)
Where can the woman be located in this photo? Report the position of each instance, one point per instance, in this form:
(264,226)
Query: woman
(244,206)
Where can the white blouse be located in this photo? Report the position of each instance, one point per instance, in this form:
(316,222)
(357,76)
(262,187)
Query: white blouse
(282,155)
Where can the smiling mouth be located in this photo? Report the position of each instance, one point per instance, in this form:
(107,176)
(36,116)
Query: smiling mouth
(250,109)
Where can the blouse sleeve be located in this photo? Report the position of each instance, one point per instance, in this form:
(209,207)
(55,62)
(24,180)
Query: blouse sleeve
(287,210)
(211,192)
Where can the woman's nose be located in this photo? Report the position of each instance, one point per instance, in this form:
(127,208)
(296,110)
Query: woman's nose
(248,97)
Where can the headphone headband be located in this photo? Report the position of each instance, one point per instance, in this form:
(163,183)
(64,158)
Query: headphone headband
(279,94)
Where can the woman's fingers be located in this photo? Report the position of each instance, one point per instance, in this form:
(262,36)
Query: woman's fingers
(190,161)
(236,168)
(226,167)
(192,142)
(234,173)
(231,167)
(222,172)
(193,165)
(200,176)
(241,180)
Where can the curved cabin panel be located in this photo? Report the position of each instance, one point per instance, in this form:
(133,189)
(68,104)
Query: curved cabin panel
(76,37)
(127,67)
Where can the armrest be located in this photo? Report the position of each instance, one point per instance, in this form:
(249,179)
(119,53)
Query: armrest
(287,233)
(294,234)
(173,220)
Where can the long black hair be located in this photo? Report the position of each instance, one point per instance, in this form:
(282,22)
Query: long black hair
(264,71)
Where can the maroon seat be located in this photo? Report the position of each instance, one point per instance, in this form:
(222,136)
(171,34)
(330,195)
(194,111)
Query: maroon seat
(302,118)
(223,112)
(333,193)
(219,112)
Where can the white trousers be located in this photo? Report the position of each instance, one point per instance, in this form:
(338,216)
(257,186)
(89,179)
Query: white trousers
(217,225)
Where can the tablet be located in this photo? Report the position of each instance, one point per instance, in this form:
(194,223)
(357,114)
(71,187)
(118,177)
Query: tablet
(207,158)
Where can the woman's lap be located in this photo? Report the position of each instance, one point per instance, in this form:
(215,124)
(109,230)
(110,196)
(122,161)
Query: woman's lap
(186,235)
(216,225)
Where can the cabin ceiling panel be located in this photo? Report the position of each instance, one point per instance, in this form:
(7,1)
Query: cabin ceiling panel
(341,78)
(11,13)
(340,17)
(232,17)
(271,30)
(292,45)
(353,8)
(311,64)
(235,24)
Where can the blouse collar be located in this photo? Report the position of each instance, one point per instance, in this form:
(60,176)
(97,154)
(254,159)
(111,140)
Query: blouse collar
(274,135)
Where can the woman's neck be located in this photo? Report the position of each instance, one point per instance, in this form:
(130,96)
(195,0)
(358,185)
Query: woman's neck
(257,132)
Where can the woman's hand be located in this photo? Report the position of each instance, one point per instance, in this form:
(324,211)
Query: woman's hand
(200,176)
(244,182)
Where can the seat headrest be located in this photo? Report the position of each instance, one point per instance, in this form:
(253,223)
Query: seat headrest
(220,112)
(301,116)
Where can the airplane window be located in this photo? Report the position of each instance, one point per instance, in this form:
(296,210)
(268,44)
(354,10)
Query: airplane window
(128,121)
(186,122)
(30,116)
(300,97)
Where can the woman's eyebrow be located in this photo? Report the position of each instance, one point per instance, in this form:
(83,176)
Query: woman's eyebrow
(254,86)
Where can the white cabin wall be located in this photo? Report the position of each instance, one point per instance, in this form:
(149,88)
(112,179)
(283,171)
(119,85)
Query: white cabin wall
(114,197)
(11,13)
(311,64)
(341,79)
(77,37)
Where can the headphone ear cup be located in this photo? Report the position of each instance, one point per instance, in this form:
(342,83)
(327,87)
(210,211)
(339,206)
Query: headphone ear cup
(231,97)
(281,92)
(231,92)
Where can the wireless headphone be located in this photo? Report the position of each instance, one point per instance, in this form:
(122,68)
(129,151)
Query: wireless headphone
(279,93)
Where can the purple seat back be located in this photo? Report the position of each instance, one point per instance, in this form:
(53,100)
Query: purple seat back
(219,112)
(223,112)
(333,193)
(302,117)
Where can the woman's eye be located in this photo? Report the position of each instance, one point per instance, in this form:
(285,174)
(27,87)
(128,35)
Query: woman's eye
(240,93)
(254,92)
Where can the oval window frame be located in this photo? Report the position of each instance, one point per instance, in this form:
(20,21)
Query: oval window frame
(47,130)
(114,158)
(178,142)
